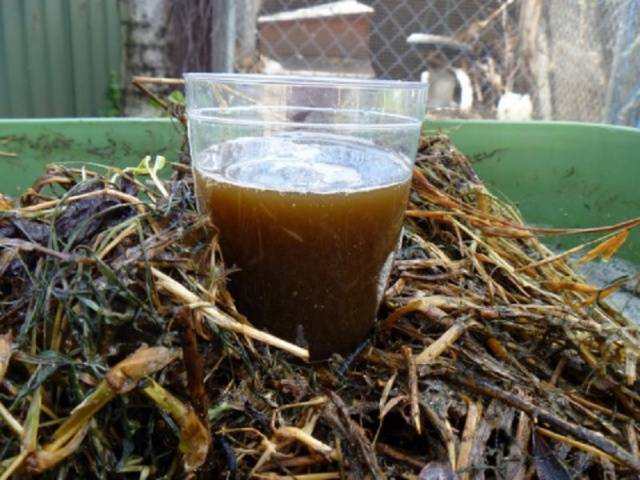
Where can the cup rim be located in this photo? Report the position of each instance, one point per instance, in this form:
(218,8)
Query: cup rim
(391,121)
(306,81)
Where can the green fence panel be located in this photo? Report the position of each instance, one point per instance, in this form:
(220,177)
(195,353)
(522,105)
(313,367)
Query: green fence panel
(57,56)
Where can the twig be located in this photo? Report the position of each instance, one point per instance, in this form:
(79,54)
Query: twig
(157,80)
(304,476)
(444,429)
(139,83)
(96,193)
(445,341)
(413,388)
(576,444)
(630,368)
(353,355)
(551,259)
(339,417)
(557,372)
(270,449)
(221,319)
(623,395)
(523,434)
(588,436)
(464,463)
(297,462)
(313,402)
(193,364)
(389,451)
(165,106)
(303,437)
(596,406)
(632,438)
(594,416)
(27,246)
(431,306)
(473,30)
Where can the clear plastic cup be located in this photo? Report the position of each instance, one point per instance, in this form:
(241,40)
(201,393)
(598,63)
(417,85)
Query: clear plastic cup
(307,179)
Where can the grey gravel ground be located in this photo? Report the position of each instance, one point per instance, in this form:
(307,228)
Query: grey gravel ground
(600,274)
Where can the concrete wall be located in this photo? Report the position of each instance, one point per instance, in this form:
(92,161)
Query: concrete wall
(146,49)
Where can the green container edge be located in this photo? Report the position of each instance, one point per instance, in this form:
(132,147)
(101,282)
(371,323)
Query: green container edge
(562,174)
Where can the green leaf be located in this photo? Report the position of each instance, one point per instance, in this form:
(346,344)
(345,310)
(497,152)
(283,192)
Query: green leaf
(146,168)
(177,97)
(42,373)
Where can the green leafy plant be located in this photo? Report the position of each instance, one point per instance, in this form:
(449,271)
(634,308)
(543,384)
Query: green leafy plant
(113,97)
(176,97)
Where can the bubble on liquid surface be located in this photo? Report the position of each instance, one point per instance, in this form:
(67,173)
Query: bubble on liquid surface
(303,163)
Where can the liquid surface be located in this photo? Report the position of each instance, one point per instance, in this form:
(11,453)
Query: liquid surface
(310,224)
(302,163)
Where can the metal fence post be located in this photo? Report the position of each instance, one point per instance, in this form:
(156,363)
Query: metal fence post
(223,35)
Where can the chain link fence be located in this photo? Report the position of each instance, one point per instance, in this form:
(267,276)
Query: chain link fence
(509,59)
(588,61)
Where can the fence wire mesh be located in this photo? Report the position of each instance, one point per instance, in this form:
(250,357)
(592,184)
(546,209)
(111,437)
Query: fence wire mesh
(589,66)
(511,59)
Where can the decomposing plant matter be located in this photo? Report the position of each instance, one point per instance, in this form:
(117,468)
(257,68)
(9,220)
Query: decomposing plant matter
(122,352)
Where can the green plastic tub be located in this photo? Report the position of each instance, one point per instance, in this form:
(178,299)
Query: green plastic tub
(559,174)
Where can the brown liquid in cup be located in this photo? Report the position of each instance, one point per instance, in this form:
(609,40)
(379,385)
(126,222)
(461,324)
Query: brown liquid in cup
(309,232)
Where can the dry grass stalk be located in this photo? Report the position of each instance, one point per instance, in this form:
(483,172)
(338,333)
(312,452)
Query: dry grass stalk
(5,353)
(307,476)
(631,367)
(576,444)
(195,438)
(301,436)
(220,319)
(433,351)
(465,461)
(74,198)
(632,438)
(413,389)
(11,421)
(520,449)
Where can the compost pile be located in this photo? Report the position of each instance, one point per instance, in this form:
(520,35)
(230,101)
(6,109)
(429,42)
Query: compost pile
(122,354)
